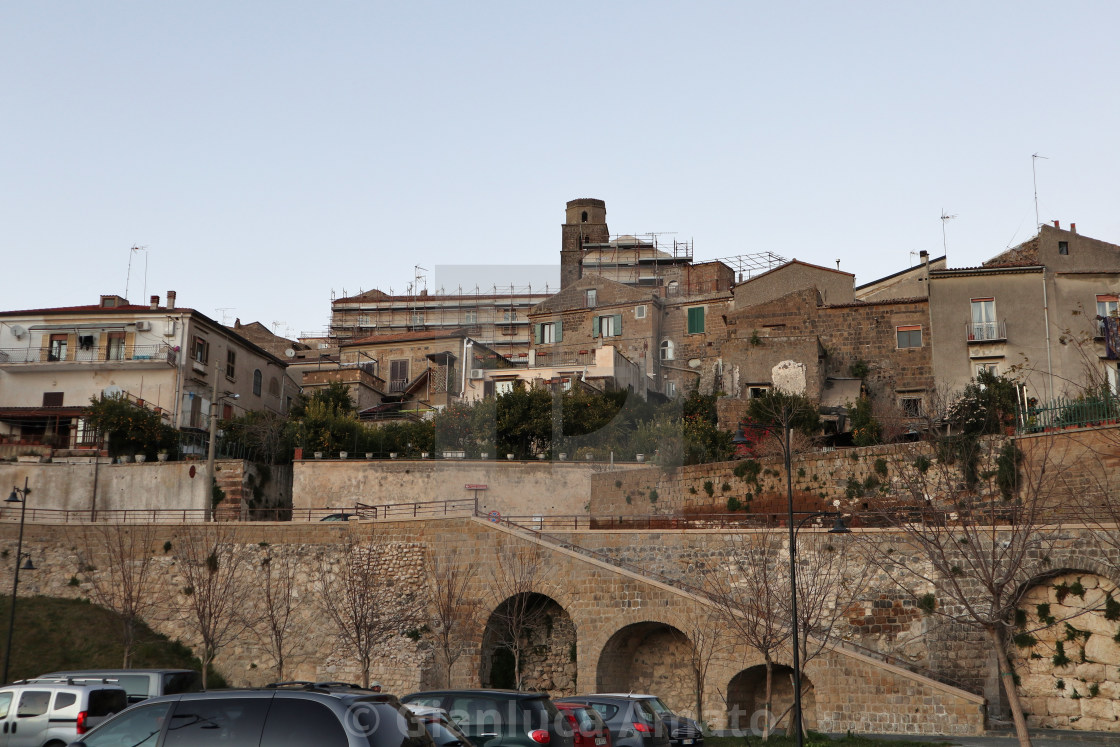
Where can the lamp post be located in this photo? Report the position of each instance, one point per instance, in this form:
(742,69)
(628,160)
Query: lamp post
(214,400)
(15,497)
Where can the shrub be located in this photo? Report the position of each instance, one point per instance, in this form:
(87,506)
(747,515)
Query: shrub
(709,488)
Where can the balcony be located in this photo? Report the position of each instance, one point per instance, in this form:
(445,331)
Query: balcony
(986,331)
(92,356)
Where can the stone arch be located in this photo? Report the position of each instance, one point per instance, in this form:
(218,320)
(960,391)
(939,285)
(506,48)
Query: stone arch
(649,657)
(1065,649)
(547,646)
(746,699)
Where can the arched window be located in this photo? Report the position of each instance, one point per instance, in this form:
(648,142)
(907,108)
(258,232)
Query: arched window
(673,287)
(584,216)
(274,387)
(666,350)
(257,382)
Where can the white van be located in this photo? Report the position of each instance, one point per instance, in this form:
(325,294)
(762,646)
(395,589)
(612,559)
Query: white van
(53,714)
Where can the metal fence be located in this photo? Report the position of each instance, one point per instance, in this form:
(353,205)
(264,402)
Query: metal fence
(1083,412)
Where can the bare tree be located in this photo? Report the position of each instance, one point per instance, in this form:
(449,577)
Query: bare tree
(517,577)
(281,603)
(750,595)
(974,528)
(215,585)
(359,594)
(119,564)
(700,625)
(455,611)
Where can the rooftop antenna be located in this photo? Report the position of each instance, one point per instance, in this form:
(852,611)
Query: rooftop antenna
(223,310)
(128,278)
(1034,176)
(417,277)
(944,244)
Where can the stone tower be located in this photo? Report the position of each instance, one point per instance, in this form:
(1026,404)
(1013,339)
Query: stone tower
(585,222)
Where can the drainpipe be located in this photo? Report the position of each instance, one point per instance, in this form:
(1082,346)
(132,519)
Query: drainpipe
(1046,321)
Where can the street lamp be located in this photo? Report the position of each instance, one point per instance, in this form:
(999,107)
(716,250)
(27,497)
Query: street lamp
(214,400)
(17,496)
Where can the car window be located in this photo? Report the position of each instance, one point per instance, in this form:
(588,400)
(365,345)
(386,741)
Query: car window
(431,700)
(5,704)
(231,722)
(293,722)
(385,725)
(472,712)
(33,703)
(136,685)
(182,682)
(64,700)
(138,727)
(658,707)
(105,702)
(643,711)
(606,710)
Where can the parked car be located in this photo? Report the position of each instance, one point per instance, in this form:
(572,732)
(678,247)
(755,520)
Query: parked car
(35,713)
(500,718)
(683,731)
(326,714)
(140,684)
(439,724)
(588,727)
(632,723)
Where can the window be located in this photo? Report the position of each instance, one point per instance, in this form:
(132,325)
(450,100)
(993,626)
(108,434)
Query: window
(363,320)
(233,722)
(33,703)
(231,364)
(302,722)
(5,704)
(754,392)
(398,375)
(200,350)
(911,407)
(503,387)
(696,320)
(1063,247)
(670,389)
(1107,306)
(992,368)
(1112,375)
(65,700)
(258,378)
(606,326)
(114,347)
(583,216)
(196,411)
(548,332)
(910,337)
(470,317)
(984,324)
(666,350)
(589,297)
(227,411)
(640,312)
(417,317)
(58,348)
(53,399)
(138,727)
(274,387)
(509,315)
(672,288)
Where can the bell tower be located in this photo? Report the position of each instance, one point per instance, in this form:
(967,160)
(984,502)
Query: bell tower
(585,222)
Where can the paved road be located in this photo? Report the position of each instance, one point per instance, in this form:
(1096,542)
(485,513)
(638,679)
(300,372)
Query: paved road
(1039,738)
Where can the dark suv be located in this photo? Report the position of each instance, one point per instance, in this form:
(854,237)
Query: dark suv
(501,718)
(286,715)
(642,720)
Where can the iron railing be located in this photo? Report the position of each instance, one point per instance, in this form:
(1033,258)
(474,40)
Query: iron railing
(985,331)
(1083,412)
(109,354)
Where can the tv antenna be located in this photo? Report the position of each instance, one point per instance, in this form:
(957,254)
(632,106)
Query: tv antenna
(945,217)
(1034,176)
(223,310)
(417,276)
(128,277)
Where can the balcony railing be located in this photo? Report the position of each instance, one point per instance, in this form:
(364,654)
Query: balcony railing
(92,354)
(985,331)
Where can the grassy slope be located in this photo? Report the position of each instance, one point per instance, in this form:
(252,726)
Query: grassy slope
(53,633)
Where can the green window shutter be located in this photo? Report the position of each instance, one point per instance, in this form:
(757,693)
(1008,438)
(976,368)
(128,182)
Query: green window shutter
(559,330)
(537,333)
(594,326)
(617,324)
(696,320)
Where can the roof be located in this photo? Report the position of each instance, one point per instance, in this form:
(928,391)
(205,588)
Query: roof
(881,302)
(797,262)
(900,273)
(1022,255)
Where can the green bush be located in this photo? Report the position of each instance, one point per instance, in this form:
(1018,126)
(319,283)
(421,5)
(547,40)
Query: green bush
(131,428)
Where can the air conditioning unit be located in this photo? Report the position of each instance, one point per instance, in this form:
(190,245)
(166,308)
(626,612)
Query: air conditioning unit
(143,326)
(478,373)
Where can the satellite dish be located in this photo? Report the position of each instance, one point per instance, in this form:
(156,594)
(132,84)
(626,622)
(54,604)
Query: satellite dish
(112,391)
(18,331)
(290,353)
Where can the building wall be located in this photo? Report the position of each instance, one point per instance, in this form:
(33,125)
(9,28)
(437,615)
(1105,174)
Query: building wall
(697,356)
(834,286)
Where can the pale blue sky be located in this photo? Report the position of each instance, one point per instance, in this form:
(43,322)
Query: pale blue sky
(267,153)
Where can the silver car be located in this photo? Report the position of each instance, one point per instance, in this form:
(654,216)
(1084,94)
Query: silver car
(46,713)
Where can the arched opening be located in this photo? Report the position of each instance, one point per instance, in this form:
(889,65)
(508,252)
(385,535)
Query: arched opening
(666,350)
(583,217)
(746,699)
(529,642)
(650,657)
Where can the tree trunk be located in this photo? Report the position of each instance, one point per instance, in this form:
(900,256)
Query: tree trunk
(1007,678)
(769,699)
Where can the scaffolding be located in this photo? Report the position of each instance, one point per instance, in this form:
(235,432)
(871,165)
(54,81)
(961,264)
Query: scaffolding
(747,266)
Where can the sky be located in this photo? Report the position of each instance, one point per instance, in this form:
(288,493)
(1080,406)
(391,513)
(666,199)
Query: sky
(268,156)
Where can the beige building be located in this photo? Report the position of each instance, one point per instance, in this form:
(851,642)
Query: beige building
(1030,312)
(53,361)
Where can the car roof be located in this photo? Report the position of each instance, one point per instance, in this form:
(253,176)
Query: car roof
(62,684)
(519,694)
(102,672)
(634,696)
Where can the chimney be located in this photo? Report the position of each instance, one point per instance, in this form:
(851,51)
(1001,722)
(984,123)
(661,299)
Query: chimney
(923,256)
(1073,228)
(1057,224)
(170,299)
(154,302)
